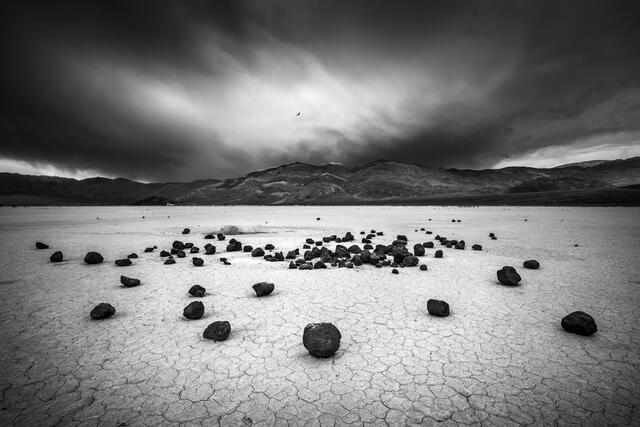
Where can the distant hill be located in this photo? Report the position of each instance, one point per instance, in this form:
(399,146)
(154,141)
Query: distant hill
(613,182)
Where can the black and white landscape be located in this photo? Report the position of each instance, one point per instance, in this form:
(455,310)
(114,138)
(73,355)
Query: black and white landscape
(319,213)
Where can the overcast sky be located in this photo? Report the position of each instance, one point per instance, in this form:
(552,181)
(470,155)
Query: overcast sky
(168,90)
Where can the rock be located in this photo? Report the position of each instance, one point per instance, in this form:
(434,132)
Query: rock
(181,254)
(476,247)
(147,250)
(129,282)
(310,241)
(278,256)
(423,267)
(188,245)
(194,250)
(194,310)
(263,288)
(402,237)
(418,249)
(319,243)
(292,265)
(220,236)
(177,244)
(394,271)
(209,236)
(321,339)
(306,266)
(164,254)
(365,256)
(437,308)
(355,249)
(531,264)
(186,231)
(349,265)
(508,276)
(579,323)
(318,219)
(93,258)
(102,311)
(292,254)
(170,261)
(209,249)
(56,257)
(247,248)
(40,245)
(492,235)
(460,246)
(357,260)
(438,253)
(269,247)
(197,262)
(234,246)
(197,291)
(132,256)
(428,245)
(257,252)
(319,265)
(217,331)
(410,261)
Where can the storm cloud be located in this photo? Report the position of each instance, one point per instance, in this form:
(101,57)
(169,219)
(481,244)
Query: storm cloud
(183,90)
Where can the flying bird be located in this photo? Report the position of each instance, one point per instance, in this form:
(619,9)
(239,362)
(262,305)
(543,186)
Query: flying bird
(298,113)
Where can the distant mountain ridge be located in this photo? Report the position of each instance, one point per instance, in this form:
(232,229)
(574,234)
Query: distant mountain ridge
(613,182)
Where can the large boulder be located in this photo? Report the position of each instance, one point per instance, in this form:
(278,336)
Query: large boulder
(257,252)
(40,245)
(123,262)
(321,339)
(418,249)
(197,262)
(129,282)
(579,323)
(56,257)
(437,308)
(194,310)
(93,258)
(263,288)
(217,331)
(197,291)
(102,311)
(531,264)
(508,276)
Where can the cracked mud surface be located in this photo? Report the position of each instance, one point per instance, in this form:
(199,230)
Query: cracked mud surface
(501,358)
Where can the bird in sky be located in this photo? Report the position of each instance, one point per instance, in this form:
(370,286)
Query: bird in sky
(298,113)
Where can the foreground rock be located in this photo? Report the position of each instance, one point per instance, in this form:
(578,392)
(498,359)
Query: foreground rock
(579,323)
(40,245)
(508,276)
(531,264)
(437,308)
(217,331)
(321,339)
(198,262)
(263,288)
(194,311)
(123,262)
(102,311)
(93,258)
(257,252)
(56,257)
(197,291)
(129,282)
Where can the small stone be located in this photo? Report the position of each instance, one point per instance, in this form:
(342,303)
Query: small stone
(197,291)
(132,256)
(269,247)
(129,282)
(437,308)
(56,257)
(410,261)
(423,267)
(197,262)
(209,236)
(186,231)
(476,247)
(123,262)
(438,253)
(247,248)
(292,266)
(220,236)
(40,245)
(395,271)
(102,311)
(209,249)
(418,249)
(579,323)
(181,254)
(93,258)
(194,250)
(257,252)
(263,288)
(321,339)
(164,254)
(147,250)
(508,276)
(170,261)
(319,265)
(531,264)
(177,244)
(194,310)
(217,331)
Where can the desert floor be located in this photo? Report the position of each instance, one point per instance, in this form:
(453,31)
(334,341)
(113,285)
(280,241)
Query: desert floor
(500,358)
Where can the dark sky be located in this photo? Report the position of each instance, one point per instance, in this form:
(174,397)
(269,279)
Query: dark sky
(169,90)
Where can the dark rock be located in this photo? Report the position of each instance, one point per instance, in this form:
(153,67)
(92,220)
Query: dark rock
(365,256)
(234,246)
(355,249)
(181,254)
(291,255)
(132,256)
(321,339)
(129,282)
(209,249)
(319,265)
(269,247)
(194,310)
(476,247)
(531,264)
(194,250)
(508,276)
(102,311)
(579,323)
(147,250)
(209,236)
(310,241)
(306,247)
(319,243)
(93,258)
(188,245)
(306,266)
(492,235)
(40,245)
(410,261)
(263,288)
(56,257)
(460,246)
(170,261)
(123,262)
(438,253)
(292,265)
(164,254)
(257,252)
(357,260)
(437,308)
(186,231)
(220,236)
(247,248)
(174,251)
(368,247)
(326,239)
(418,249)
(402,237)
(366,241)
(395,271)
(423,267)
(197,262)
(349,265)
(217,331)
(226,263)
(197,291)
(428,245)
(177,244)
(278,256)
(429,232)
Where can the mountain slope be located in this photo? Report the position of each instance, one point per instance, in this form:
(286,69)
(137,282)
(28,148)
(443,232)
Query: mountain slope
(390,182)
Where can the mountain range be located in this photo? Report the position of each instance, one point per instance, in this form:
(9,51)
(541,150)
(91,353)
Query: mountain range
(614,182)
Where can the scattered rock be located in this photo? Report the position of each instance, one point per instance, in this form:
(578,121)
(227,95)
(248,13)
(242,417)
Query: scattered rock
(186,231)
(508,276)
(394,271)
(257,252)
(102,311)
(197,291)
(132,256)
(531,264)
(319,265)
(129,282)
(579,323)
(181,254)
(177,244)
(198,262)
(147,250)
(234,246)
(217,331)
(269,247)
(188,245)
(263,288)
(194,250)
(292,265)
(438,253)
(209,249)
(476,247)
(410,261)
(428,245)
(56,257)
(423,267)
(437,308)
(170,261)
(220,236)
(402,237)
(40,245)
(93,258)
(164,254)
(194,310)
(247,248)
(418,249)
(209,236)
(321,339)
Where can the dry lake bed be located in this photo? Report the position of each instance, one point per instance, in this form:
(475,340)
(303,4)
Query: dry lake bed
(500,358)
